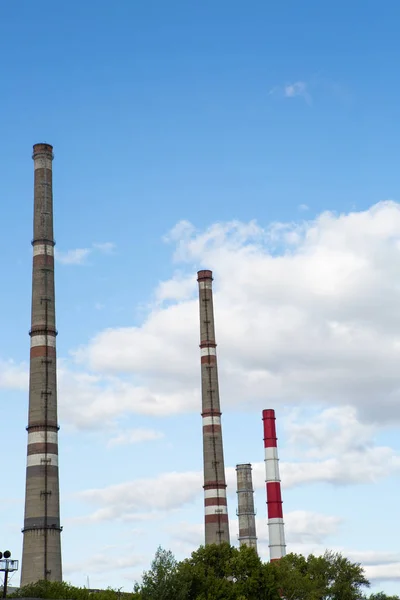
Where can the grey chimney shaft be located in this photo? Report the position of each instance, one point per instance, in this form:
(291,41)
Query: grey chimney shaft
(245,511)
(215,503)
(41,555)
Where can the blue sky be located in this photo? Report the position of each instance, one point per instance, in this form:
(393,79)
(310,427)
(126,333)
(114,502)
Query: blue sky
(213,135)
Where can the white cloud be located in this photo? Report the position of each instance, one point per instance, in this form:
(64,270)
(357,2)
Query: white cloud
(168,491)
(303,207)
(13,375)
(346,444)
(183,230)
(108,514)
(344,469)
(351,468)
(333,431)
(135,436)
(301,527)
(305,312)
(371,557)
(134,345)
(167,494)
(105,562)
(72,257)
(178,288)
(297,89)
(94,401)
(389,572)
(365,464)
(78,256)
(105,247)
(305,527)
(332,446)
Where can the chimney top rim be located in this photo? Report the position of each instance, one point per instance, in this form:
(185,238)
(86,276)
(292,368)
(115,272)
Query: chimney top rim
(204,274)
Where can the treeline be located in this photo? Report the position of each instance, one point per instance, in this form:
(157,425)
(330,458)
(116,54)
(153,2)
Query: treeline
(57,590)
(226,573)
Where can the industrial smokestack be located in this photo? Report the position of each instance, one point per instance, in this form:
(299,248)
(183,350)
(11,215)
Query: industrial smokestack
(245,511)
(215,504)
(277,546)
(41,555)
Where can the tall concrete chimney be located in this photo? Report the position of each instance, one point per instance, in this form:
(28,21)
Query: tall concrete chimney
(41,555)
(245,511)
(276,531)
(215,504)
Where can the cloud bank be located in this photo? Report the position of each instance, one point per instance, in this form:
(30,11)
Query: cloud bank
(306,313)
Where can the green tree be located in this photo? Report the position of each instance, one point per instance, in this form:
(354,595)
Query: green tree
(327,577)
(382,596)
(51,589)
(222,572)
(60,590)
(293,578)
(160,582)
(345,579)
(254,579)
(205,575)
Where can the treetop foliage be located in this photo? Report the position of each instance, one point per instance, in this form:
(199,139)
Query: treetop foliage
(382,596)
(223,572)
(60,590)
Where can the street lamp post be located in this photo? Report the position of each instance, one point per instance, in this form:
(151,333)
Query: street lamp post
(7,565)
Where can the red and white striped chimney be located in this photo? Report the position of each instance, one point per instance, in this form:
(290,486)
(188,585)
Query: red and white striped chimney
(276,531)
